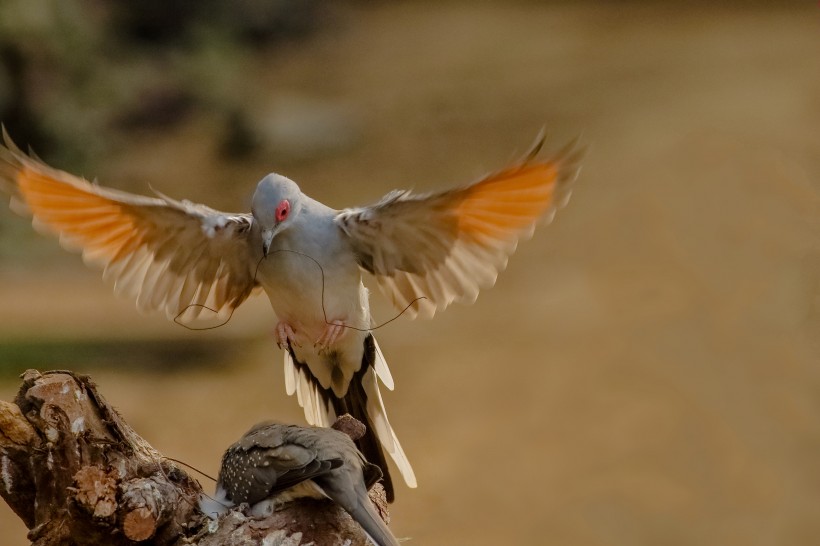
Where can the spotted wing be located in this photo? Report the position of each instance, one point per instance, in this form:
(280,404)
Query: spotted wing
(264,462)
(170,255)
(428,251)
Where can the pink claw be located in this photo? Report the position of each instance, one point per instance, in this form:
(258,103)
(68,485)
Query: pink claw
(285,336)
(332,333)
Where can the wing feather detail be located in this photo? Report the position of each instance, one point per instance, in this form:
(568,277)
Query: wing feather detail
(428,251)
(164,253)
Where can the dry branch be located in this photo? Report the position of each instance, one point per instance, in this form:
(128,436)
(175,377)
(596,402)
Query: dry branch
(77,474)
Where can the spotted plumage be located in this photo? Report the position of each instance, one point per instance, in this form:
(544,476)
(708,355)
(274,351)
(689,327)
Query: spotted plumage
(274,463)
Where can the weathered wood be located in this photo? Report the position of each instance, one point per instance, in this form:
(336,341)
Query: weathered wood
(77,474)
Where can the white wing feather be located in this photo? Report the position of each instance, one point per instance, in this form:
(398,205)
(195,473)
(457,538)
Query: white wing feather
(168,255)
(428,251)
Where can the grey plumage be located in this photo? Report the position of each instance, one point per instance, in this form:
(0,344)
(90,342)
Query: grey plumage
(425,251)
(275,463)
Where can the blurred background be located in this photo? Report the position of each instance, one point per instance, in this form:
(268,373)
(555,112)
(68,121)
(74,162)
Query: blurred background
(646,370)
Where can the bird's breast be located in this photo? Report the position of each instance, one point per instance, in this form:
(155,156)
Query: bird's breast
(309,284)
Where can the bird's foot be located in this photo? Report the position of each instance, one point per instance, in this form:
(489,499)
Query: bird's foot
(333,331)
(285,337)
(262,509)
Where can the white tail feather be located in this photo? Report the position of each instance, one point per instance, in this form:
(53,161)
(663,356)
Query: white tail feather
(381,367)
(290,374)
(319,413)
(305,397)
(384,432)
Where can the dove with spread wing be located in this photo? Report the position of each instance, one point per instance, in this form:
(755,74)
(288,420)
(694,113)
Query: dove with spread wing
(425,251)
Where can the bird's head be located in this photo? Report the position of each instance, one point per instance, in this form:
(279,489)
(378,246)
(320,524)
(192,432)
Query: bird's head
(276,202)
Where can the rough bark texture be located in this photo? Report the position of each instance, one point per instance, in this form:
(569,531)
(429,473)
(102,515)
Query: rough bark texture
(77,474)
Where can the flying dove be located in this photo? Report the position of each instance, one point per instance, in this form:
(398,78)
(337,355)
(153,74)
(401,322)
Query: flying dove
(425,251)
(275,463)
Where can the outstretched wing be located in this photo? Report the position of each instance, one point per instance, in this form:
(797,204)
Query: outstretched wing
(444,247)
(176,256)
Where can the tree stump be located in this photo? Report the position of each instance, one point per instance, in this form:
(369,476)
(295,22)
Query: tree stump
(77,474)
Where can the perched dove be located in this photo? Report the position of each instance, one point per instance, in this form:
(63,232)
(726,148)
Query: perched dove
(274,463)
(426,251)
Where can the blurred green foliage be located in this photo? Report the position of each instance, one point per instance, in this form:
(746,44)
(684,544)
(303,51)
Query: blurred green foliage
(84,355)
(76,74)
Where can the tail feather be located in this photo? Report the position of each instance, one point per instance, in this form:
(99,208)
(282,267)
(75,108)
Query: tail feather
(375,527)
(291,374)
(385,433)
(380,365)
(355,403)
(312,398)
(363,401)
(355,501)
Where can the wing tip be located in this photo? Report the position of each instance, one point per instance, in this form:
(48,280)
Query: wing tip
(8,142)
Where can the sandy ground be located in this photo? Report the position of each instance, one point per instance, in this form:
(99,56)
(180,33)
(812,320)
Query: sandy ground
(645,371)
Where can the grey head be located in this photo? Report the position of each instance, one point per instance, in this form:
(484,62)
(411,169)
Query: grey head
(276,203)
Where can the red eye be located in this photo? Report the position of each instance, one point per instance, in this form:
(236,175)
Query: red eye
(282,210)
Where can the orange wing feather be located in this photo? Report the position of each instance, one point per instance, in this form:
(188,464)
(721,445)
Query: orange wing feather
(507,202)
(89,220)
(430,250)
(167,254)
